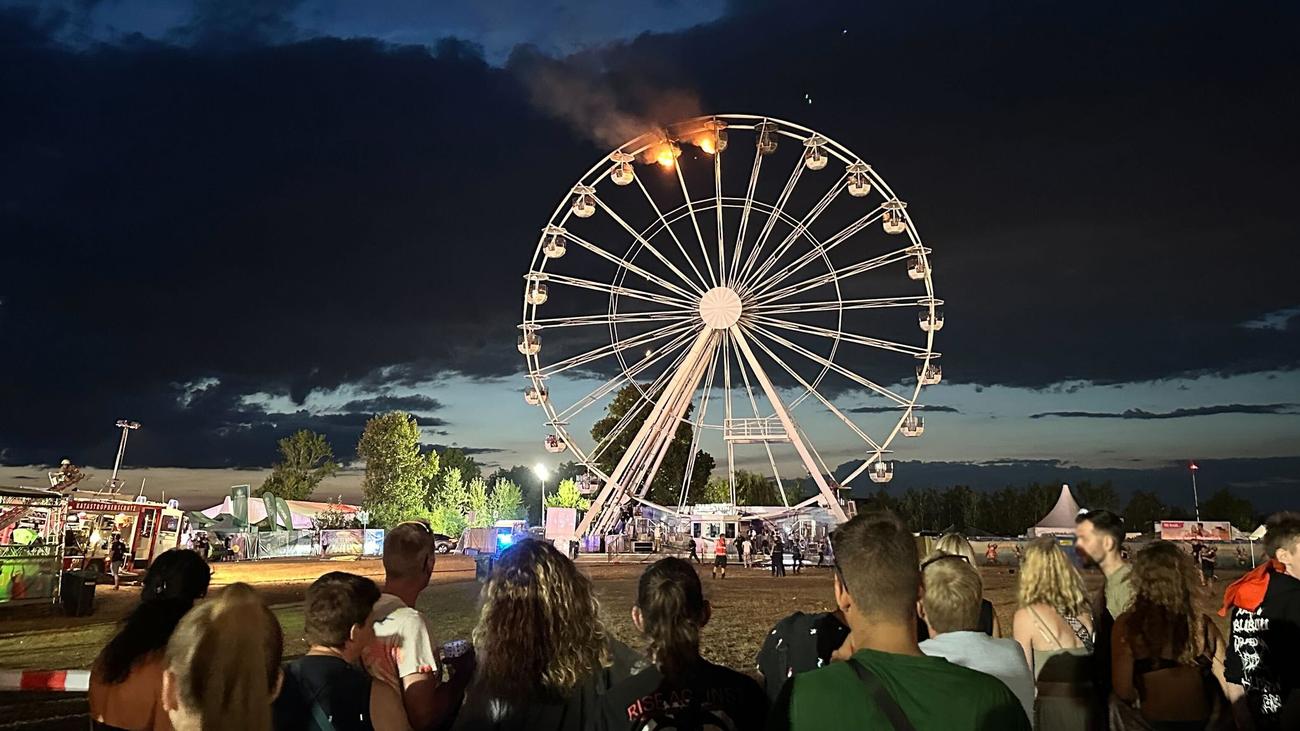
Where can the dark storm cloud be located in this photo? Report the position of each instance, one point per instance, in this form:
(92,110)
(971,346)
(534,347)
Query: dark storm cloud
(1107,202)
(1176,413)
(379,404)
(893,410)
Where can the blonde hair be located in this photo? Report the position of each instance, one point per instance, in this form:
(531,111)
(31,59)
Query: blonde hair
(953,593)
(1048,577)
(225,657)
(955,544)
(539,633)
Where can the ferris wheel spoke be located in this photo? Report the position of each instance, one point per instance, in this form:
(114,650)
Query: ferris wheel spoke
(816,251)
(648,276)
(844,272)
(771,459)
(744,214)
(695,221)
(717,197)
(874,303)
(654,251)
(788,243)
(698,428)
(643,400)
(615,347)
(772,217)
(840,335)
(608,386)
(817,395)
(664,222)
(620,318)
(619,290)
(858,379)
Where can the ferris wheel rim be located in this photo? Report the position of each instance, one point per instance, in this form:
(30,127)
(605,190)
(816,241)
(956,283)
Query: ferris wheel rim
(600,170)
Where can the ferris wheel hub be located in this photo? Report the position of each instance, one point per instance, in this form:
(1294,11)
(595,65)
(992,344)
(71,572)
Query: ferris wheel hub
(720,308)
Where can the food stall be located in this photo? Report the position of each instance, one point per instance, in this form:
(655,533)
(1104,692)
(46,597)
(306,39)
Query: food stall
(147,528)
(30,550)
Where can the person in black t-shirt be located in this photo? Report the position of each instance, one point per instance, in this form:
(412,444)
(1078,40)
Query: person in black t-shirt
(117,558)
(325,690)
(681,690)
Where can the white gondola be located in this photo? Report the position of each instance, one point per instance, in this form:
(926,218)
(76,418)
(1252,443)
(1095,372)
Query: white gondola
(929,375)
(554,444)
(930,322)
(917,267)
(714,139)
(622,172)
(535,396)
(536,294)
(815,157)
(912,426)
(859,182)
(767,138)
(893,221)
(584,201)
(530,343)
(553,246)
(881,472)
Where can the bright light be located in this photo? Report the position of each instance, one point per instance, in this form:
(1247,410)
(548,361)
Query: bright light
(706,144)
(540,470)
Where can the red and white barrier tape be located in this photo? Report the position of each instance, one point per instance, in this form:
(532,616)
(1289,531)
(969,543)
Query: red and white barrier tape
(55,680)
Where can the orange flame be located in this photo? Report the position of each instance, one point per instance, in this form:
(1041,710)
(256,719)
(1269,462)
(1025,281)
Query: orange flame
(666,154)
(708,144)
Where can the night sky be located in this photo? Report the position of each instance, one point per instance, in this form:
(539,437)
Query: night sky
(231,220)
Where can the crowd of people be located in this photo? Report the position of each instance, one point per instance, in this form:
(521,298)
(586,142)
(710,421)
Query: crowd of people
(913,643)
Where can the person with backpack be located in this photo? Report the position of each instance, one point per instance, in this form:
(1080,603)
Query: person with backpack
(885,681)
(679,690)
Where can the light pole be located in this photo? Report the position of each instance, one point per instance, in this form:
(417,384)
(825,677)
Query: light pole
(127,427)
(1196,501)
(539,469)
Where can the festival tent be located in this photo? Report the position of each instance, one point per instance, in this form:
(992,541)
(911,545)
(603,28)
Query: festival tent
(302,511)
(1060,519)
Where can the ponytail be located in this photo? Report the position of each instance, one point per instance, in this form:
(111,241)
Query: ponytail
(225,656)
(673,610)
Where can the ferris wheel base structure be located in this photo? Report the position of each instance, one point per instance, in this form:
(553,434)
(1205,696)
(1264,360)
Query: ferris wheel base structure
(743,305)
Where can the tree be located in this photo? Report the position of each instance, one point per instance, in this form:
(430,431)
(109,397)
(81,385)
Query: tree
(1097,497)
(755,489)
(506,501)
(566,495)
(456,458)
(716,490)
(1143,510)
(480,511)
(305,460)
(668,480)
(1223,505)
(447,502)
(394,486)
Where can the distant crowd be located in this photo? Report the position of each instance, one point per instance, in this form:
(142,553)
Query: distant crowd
(912,644)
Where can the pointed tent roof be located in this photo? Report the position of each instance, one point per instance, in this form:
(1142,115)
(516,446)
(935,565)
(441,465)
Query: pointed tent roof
(1060,519)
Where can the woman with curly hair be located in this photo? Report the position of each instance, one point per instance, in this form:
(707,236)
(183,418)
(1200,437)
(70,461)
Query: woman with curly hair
(1167,654)
(544,656)
(1054,627)
(681,689)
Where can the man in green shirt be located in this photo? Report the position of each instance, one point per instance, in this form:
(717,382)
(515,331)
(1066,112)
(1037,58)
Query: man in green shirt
(1099,538)
(884,681)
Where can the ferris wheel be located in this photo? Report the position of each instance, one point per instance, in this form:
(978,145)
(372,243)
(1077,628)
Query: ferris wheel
(724,281)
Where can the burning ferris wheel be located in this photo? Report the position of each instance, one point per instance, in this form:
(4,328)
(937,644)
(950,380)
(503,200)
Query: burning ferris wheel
(739,281)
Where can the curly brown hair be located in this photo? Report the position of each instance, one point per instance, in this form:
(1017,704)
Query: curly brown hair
(539,632)
(1167,594)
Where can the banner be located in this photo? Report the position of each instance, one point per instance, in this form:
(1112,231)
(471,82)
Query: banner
(561,523)
(1192,530)
(285,543)
(374,542)
(342,542)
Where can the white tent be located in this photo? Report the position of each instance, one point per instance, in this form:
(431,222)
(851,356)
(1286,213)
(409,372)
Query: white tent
(302,511)
(1060,519)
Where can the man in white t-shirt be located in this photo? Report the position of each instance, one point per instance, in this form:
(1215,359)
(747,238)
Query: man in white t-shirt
(405,653)
(950,606)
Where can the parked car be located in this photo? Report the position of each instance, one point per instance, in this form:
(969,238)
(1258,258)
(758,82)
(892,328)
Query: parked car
(444,543)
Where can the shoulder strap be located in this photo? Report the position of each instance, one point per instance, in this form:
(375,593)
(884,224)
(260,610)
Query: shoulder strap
(883,700)
(1046,631)
(322,722)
